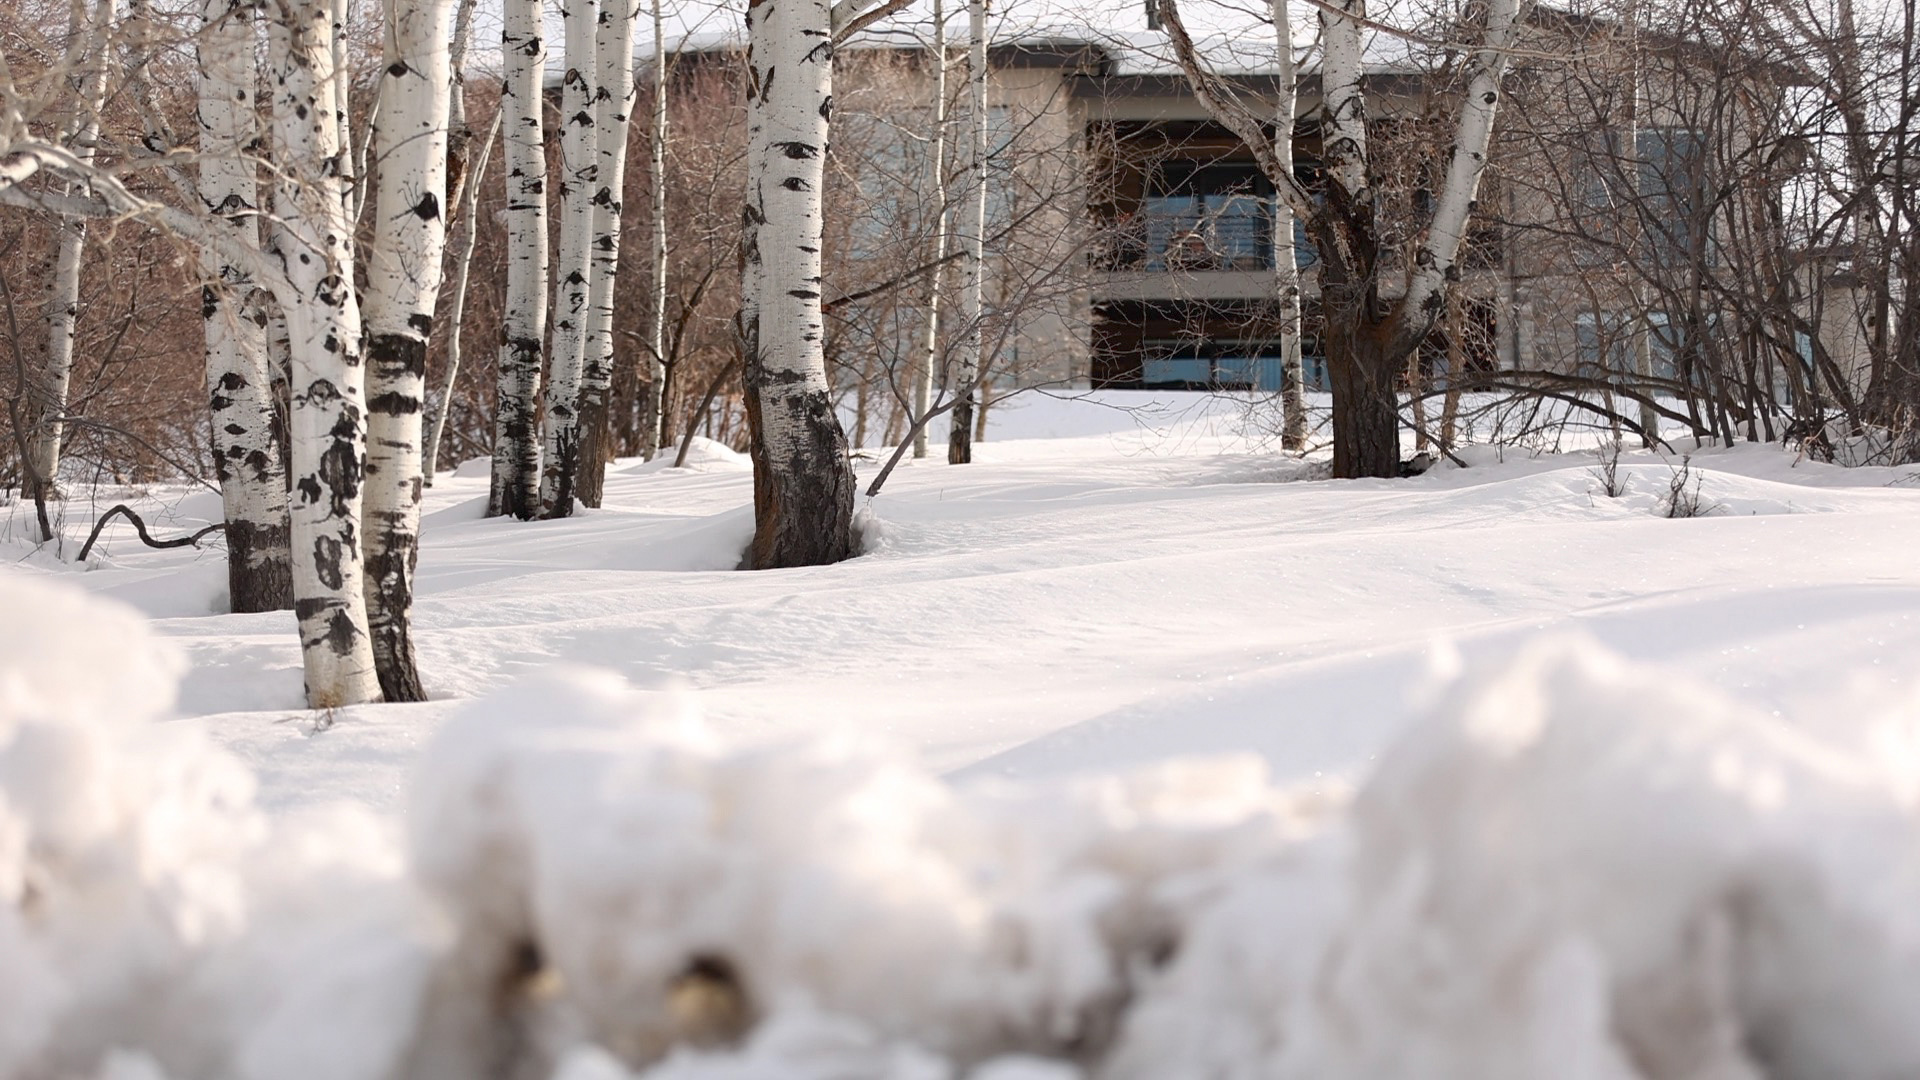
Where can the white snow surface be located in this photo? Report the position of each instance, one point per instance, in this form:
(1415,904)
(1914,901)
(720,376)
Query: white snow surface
(1129,751)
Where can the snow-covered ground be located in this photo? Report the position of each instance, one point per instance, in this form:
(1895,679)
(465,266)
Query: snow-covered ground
(1131,746)
(1119,579)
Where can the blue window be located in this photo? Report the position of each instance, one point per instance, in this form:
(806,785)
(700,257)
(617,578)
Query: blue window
(1208,217)
(1196,365)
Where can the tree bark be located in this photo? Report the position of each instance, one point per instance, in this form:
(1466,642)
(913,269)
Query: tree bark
(930,355)
(1286,266)
(973,271)
(1364,370)
(803,482)
(573,268)
(402,288)
(248,454)
(515,486)
(612,106)
(327,421)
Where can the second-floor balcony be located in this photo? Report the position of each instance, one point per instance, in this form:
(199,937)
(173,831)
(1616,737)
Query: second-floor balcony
(1200,233)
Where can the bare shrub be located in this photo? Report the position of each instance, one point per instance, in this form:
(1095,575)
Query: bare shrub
(1612,484)
(1683,498)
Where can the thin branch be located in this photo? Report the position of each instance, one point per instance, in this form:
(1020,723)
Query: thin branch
(140,527)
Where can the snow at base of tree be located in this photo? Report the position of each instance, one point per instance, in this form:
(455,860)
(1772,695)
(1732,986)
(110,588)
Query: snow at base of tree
(1569,866)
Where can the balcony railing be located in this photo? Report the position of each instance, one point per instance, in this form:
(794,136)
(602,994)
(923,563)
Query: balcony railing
(1200,233)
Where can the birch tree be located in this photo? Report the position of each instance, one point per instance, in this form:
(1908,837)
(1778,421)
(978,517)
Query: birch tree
(43,426)
(463,184)
(572,268)
(802,480)
(612,106)
(515,486)
(457,300)
(967,366)
(403,284)
(937,181)
(653,407)
(1368,338)
(246,452)
(327,416)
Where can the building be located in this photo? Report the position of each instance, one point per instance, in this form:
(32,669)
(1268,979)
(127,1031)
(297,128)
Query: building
(1145,247)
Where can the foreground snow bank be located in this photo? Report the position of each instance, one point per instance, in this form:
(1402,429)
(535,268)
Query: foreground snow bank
(1573,867)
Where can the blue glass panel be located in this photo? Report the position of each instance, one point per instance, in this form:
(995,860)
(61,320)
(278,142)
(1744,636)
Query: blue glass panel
(1235,370)
(1163,371)
(1314,372)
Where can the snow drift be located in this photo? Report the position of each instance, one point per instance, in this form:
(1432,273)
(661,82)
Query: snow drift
(1572,867)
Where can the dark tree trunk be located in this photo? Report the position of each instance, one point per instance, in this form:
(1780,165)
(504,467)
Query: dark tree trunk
(805,513)
(595,450)
(1363,365)
(960,434)
(259,572)
(659,395)
(390,622)
(516,472)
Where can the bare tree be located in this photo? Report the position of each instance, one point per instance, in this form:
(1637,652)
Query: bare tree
(457,302)
(572,269)
(973,270)
(654,406)
(1369,336)
(246,454)
(515,487)
(89,37)
(612,106)
(403,288)
(327,422)
(803,484)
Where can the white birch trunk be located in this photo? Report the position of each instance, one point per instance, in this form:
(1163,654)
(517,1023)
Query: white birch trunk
(654,398)
(572,269)
(1275,158)
(45,402)
(1286,267)
(327,416)
(803,484)
(457,301)
(352,162)
(462,182)
(403,285)
(246,452)
(1341,70)
(1642,338)
(930,356)
(612,107)
(1466,164)
(515,486)
(459,126)
(967,365)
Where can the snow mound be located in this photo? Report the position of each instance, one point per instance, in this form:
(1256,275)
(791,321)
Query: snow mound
(65,655)
(1572,867)
(703,455)
(1576,868)
(681,890)
(145,905)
